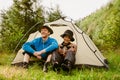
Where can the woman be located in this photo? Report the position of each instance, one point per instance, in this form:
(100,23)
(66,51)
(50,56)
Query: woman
(64,56)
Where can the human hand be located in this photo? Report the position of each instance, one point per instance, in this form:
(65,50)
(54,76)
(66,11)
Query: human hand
(35,54)
(38,53)
(39,57)
(60,50)
(64,54)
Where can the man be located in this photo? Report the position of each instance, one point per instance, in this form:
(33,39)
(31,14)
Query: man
(40,47)
(65,55)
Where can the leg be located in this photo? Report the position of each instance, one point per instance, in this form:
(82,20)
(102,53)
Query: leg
(49,58)
(45,69)
(26,60)
(69,61)
(57,59)
(70,56)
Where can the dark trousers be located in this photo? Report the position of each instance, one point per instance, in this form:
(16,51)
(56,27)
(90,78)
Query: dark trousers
(70,56)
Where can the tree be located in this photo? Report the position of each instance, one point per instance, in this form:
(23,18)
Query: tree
(104,26)
(21,17)
(18,20)
(53,14)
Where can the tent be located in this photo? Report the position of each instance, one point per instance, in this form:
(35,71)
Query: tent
(87,52)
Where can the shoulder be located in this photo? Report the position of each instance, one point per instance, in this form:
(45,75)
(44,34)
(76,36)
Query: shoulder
(37,39)
(52,39)
(73,44)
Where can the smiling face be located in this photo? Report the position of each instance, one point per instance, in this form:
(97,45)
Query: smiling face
(66,39)
(45,33)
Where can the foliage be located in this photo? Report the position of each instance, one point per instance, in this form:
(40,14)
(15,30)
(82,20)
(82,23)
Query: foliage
(103,26)
(54,14)
(18,20)
(34,72)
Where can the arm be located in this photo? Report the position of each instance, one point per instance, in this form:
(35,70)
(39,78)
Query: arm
(60,50)
(73,47)
(52,46)
(28,46)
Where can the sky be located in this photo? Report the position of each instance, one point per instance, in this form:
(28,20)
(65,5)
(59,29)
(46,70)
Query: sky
(74,9)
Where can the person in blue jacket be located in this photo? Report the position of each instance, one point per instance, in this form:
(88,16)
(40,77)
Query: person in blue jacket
(40,47)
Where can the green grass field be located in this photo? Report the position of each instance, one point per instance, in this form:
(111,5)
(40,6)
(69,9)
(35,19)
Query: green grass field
(8,72)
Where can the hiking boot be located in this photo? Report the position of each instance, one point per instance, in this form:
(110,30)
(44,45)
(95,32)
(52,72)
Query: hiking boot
(45,69)
(66,67)
(25,65)
(56,67)
(69,67)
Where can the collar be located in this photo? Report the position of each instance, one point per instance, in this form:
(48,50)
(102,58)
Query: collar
(45,41)
(64,44)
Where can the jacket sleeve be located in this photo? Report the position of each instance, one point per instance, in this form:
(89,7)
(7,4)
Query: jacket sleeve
(73,47)
(28,46)
(52,46)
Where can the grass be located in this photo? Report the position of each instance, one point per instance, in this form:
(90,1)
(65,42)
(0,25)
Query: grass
(8,72)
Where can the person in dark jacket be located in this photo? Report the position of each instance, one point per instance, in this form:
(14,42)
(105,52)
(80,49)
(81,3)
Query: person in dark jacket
(64,56)
(40,47)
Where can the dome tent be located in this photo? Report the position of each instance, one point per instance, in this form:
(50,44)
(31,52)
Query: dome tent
(87,53)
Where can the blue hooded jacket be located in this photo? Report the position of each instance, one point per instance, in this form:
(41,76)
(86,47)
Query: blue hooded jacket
(38,44)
